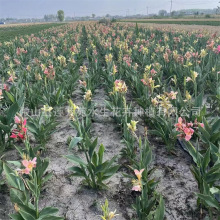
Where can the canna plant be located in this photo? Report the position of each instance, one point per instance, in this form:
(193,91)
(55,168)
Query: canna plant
(25,187)
(107,215)
(151,208)
(43,126)
(94,170)
(149,204)
(1,170)
(6,125)
(210,132)
(207,176)
(117,103)
(129,140)
(163,128)
(81,124)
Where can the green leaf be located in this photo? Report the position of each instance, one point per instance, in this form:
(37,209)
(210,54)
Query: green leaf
(159,214)
(52,218)
(17,196)
(16,216)
(5,128)
(75,159)
(92,147)
(27,209)
(11,113)
(211,178)
(215,137)
(205,136)
(111,171)
(42,167)
(10,176)
(77,171)
(216,126)
(32,128)
(48,211)
(27,216)
(209,201)
(16,163)
(101,153)
(206,160)
(47,177)
(74,142)
(199,100)
(10,96)
(192,151)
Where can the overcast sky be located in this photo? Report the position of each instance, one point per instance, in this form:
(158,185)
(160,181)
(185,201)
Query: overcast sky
(38,8)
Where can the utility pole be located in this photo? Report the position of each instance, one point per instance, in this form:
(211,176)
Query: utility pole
(147,10)
(171,6)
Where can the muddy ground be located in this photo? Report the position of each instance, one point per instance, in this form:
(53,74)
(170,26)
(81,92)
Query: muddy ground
(75,202)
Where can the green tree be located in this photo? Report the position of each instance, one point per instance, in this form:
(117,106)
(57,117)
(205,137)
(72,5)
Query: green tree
(60,15)
(162,13)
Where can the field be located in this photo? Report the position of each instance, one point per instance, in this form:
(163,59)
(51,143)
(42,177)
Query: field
(9,32)
(210,22)
(117,121)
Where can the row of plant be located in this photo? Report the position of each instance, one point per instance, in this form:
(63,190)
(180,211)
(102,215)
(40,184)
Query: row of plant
(184,69)
(160,87)
(35,83)
(183,22)
(172,76)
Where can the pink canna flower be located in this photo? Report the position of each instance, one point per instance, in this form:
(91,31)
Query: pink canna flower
(197,124)
(180,125)
(6,87)
(137,184)
(21,131)
(218,49)
(29,165)
(136,188)
(188,79)
(185,129)
(188,133)
(153,72)
(1,97)
(14,136)
(17,120)
(139,173)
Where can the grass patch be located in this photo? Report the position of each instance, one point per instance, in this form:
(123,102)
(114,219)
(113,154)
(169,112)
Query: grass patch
(211,23)
(10,32)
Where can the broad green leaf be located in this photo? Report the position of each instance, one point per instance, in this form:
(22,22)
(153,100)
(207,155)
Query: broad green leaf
(74,142)
(159,214)
(101,153)
(11,113)
(48,211)
(52,218)
(5,128)
(216,126)
(206,160)
(10,96)
(26,215)
(16,216)
(75,159)
(92,147)
(210,201)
